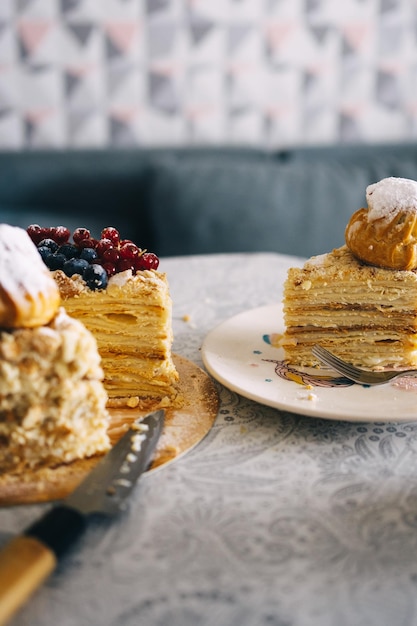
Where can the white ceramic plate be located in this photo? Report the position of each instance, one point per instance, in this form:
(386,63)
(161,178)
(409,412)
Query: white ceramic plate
(238,354)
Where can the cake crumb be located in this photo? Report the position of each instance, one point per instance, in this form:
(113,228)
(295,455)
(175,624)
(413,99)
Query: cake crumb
(307,395)
(187,319)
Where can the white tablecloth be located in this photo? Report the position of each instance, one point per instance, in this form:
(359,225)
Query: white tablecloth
(273,519)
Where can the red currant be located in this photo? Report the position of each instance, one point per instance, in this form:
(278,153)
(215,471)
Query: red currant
(109,267)
(126,264)
(112,234)
(60,234)
(111,254)
(79,234)
(102,245)
(129,251)
(36,233)
(147,261)
(87,243)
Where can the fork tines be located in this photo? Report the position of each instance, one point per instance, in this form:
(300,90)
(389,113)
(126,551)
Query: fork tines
(330,359)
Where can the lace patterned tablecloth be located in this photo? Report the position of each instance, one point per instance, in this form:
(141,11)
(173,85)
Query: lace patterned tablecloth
(273,519)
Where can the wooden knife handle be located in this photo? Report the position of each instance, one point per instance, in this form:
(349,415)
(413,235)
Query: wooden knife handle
(25,563)
(27,560)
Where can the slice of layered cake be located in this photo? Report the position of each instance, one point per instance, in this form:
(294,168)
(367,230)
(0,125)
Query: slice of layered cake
(52,400)
(113,287)
(360,301)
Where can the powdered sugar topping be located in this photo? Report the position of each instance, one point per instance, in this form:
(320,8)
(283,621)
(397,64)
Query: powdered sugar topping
(120,279)
(391,195)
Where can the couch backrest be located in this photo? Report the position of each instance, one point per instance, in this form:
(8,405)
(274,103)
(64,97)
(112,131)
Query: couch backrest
(202,200)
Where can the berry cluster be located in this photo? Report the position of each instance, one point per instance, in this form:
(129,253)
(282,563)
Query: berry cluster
(93,259)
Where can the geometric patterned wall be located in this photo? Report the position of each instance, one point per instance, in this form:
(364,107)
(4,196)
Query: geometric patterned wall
(99,73)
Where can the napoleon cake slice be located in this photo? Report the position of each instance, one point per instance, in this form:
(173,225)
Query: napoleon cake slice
(360,300)
(113,287)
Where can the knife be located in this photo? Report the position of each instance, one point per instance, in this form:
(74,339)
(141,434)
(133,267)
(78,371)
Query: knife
(28,559)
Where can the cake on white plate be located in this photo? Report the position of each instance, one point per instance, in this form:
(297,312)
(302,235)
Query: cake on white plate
(113,287)
(52,400)
(360,300)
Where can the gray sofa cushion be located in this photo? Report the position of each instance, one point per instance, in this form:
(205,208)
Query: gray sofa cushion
(209,205)
(296,203)
(90,188)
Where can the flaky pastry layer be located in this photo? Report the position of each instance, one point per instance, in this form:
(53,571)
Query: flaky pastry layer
(132,323)
(365,314)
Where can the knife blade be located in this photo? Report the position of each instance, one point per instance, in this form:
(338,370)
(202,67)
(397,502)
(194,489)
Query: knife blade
(28,559)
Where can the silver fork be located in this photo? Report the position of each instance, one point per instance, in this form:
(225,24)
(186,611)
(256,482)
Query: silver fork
(357,374)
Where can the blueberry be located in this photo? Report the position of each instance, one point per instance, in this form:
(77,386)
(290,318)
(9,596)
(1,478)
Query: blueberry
(89,254)
(48,243)
(75,266)
(69,251)
(45,253)
(95,277)
(56,261)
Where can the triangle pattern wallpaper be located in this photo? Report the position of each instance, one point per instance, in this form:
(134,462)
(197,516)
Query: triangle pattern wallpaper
(272,73)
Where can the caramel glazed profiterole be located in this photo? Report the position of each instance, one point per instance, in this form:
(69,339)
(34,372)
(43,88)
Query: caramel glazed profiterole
(385,233)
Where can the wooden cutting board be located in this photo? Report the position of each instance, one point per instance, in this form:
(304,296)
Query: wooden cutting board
(184,428)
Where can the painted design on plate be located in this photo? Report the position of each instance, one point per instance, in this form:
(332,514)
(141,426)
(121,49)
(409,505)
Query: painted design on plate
(286,372)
